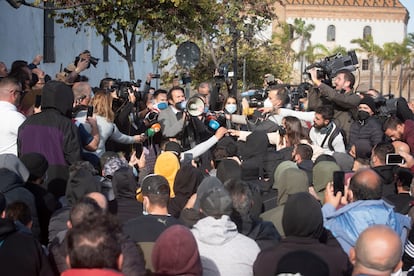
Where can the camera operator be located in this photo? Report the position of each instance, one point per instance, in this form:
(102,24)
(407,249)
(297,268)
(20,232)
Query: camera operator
(124,108)
(344,100)
(392,106)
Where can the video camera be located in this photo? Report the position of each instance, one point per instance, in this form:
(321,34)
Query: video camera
(123,88)
(330,66)
(222,72)
(298,92)
(256,97)
(84,55)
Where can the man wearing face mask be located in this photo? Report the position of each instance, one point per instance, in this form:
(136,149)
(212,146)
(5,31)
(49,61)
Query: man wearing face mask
(366,127)
(276,99)
(146,228)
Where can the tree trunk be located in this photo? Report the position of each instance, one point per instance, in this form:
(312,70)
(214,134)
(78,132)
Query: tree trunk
(131,69)
(382,77)
(371,71)
(389,79)
(400,80)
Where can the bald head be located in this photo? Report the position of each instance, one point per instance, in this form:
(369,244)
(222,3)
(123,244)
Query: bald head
(377,251)
(82,92)
(400,146)
(100,199)
(365,185)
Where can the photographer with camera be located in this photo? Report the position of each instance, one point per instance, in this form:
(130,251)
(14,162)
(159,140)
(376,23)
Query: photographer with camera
(81,63)
(345,102)
(125,96)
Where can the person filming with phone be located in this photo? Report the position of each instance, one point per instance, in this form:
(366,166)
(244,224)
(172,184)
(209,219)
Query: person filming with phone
(363,207)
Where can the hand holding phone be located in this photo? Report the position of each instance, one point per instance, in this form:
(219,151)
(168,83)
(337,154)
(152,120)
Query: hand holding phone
(38,101)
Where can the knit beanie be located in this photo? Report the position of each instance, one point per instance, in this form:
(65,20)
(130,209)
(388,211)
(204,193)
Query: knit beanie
(176,253)
(369,102)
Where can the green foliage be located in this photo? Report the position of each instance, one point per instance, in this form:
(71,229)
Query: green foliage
(214,23)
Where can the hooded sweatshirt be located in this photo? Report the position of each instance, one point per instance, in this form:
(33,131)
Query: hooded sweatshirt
(13,175)
(290,181)
(167,165)
(125,185)
(223,250)
(303,224)
(52,133)
(186,182)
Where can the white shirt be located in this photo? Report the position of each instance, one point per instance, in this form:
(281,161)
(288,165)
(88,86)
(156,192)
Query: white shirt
(317,138)
(10,120)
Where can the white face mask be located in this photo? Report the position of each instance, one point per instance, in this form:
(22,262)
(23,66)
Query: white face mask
(231,108)
(267,103)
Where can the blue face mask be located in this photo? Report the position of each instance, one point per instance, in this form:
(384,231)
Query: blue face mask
(162,105)
(231,108)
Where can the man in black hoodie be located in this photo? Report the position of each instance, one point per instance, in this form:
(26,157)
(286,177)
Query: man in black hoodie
(52,133)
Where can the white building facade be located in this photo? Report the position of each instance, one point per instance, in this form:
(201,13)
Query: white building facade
(337,22)
(23,36)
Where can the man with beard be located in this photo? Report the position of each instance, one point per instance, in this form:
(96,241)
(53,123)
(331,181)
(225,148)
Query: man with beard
(397,130)
(325,133)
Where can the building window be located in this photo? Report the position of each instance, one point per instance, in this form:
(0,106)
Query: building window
(365,65)
(367,32)
(331,33)
(49,54)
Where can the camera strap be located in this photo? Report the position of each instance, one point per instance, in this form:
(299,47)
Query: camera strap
(327,135)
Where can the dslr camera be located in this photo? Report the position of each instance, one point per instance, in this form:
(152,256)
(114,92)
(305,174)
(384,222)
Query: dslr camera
(84,55)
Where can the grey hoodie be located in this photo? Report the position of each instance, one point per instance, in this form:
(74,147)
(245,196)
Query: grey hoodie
(223,250)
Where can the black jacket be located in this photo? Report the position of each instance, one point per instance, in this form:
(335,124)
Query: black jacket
(369,129)
(21,254)
(13,188)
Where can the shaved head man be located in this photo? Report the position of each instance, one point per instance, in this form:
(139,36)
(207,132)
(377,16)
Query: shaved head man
(400,146)
(377,252)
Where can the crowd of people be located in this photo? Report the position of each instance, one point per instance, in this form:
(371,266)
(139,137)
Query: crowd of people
(127,180)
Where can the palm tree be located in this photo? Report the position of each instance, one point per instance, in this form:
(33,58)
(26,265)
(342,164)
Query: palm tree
(409,70)
(303,33)
(367,45)
(388,57)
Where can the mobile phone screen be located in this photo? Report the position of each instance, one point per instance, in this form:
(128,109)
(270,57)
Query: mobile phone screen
(394,159)
(339,181)
(90,111)
(38,101)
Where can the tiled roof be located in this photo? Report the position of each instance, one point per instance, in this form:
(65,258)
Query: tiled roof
(362,3)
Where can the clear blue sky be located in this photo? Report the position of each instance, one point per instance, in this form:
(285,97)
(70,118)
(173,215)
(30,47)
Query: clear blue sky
(409,4)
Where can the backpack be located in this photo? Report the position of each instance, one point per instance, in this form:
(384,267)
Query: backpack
(332,136)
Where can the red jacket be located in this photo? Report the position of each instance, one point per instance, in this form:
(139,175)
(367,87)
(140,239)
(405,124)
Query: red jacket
(90,272)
